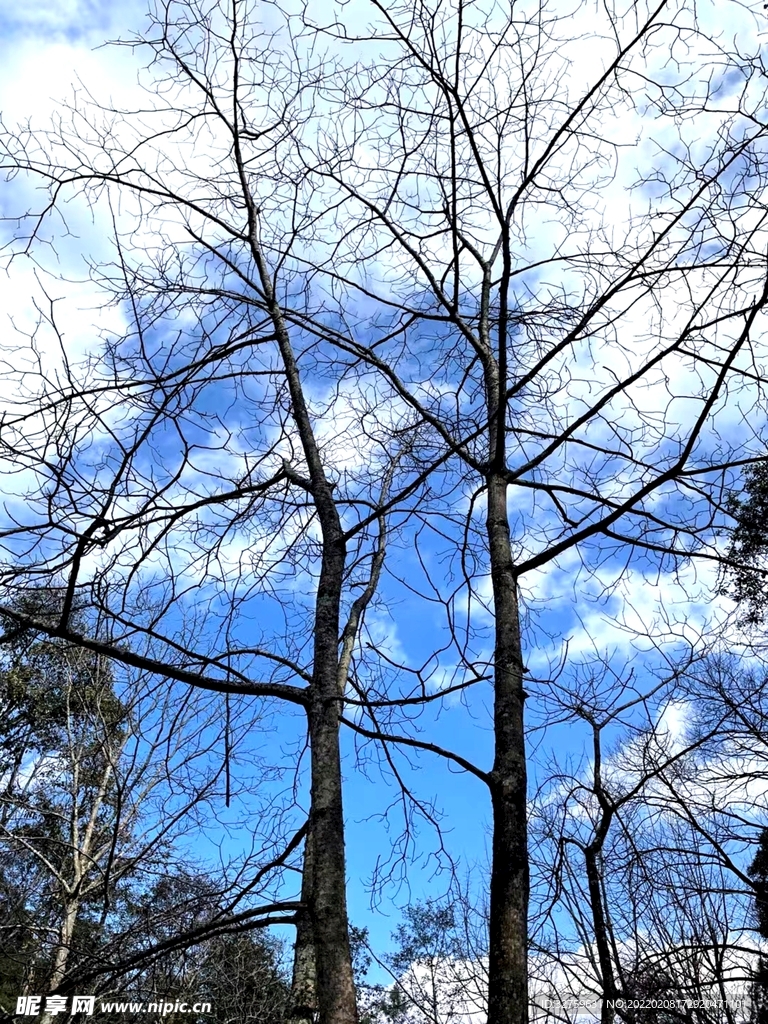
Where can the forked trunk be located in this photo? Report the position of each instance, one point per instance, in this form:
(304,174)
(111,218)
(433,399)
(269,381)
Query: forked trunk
(336,1002)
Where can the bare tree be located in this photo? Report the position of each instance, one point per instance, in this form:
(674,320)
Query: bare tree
(270,511)
(651,837)
(530,358)
(498,303)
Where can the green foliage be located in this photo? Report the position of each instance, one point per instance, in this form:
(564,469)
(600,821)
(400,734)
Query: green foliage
(377,1004)
(63,728)
(361,954)
(649,985)
(47,684)
(758,872)
(381,1005)
(759,992)
(17,939)
(428,933)
(241,976)
(437,961)
(746,581)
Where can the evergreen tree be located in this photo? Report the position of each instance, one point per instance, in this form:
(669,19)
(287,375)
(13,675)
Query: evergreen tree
(758,872)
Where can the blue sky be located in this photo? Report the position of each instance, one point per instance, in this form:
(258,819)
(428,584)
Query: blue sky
(45,48)
(572,607)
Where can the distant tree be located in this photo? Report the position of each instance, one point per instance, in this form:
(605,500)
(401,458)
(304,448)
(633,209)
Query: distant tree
(102,777)
(63,823)
(758,872)
(759,992)
(745,574)
(439,965)
(242,976)
(386,1004)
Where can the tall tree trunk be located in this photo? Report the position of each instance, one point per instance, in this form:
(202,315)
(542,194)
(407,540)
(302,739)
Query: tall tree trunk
(335,984)
(592,855)
(336,1001)
(61,954)
(63,944)
(508,925)
(304,981)
(508,902)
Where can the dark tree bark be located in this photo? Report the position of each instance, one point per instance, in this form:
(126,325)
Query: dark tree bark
(508,921)
(304,979)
